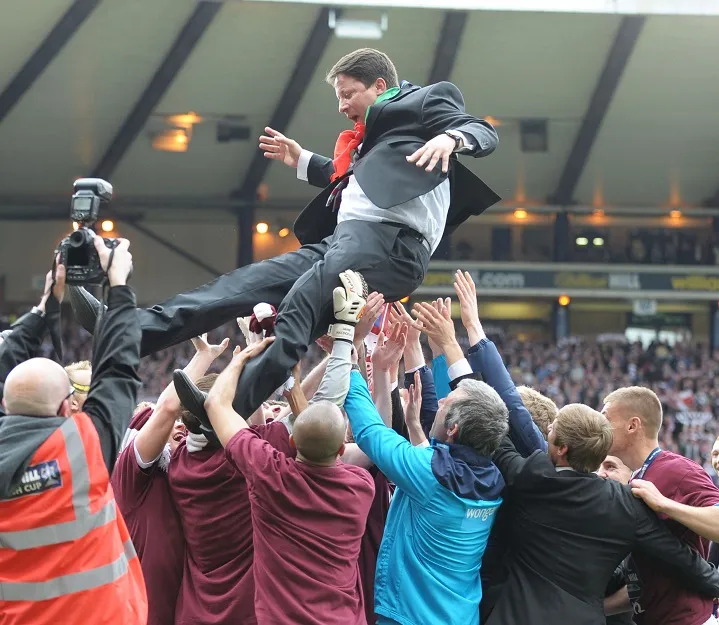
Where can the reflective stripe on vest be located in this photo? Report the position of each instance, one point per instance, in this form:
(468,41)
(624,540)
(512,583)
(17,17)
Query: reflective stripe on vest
(84,521)
(67,584)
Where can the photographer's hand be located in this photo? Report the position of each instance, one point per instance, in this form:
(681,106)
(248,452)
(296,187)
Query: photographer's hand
(121,261)
(58,290)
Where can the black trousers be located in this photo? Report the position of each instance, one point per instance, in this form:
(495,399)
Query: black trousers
(300,285)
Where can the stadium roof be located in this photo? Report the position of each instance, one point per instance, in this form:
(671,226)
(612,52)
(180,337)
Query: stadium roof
(630,102)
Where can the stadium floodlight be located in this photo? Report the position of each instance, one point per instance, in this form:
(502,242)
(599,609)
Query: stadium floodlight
(357,29)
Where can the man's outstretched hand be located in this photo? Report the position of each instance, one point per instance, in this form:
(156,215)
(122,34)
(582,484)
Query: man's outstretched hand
(280,148)
(349,302)
(467,294)
(438,149)
(390,348)
(210,352)
(225,421)
(119,271)
(224,388)
(372,311)
(58,289)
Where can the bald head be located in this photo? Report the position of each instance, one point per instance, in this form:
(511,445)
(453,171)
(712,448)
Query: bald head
(36,388)
(319,432)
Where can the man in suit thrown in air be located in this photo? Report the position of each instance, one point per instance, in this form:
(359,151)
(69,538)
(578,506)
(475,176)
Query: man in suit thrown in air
(393,188)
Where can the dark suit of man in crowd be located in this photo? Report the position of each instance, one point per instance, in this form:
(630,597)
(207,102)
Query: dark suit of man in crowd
(571,528)
(391,191)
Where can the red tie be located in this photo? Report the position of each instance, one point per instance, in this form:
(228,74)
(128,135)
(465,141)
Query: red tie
(348,141)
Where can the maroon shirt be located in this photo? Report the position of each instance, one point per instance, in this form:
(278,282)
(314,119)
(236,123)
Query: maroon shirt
(308,524)
(663,600)
(212,501)
(372,539)
(143,496)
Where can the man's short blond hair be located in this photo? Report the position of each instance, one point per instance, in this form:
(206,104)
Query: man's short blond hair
(586,434)
(542,409)
(82,365)
(640,402)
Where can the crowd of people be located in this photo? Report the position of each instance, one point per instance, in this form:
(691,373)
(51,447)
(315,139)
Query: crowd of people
(573,371)
(169,469)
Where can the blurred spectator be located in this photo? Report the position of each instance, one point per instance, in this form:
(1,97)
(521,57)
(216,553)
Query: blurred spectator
(576,370)
(156,369)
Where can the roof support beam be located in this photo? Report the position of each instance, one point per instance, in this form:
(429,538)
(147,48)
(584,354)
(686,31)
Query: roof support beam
(182,253)
(445,54)
(175,58)
(51,46)
(308,61)
(624,42)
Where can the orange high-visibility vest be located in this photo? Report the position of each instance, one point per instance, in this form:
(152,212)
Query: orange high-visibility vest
(65,554)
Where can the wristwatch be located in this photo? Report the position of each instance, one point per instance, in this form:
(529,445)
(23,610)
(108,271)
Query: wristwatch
(458,142)
(37,311)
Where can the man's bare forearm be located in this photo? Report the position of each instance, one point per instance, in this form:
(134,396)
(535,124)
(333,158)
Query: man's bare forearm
(452,352)
(382,383)
(297,401)
(225,421)
(313,379)
(702,521)
(416,435)
(153,436)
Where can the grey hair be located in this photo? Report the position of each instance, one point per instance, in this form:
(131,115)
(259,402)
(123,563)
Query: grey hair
(482,417)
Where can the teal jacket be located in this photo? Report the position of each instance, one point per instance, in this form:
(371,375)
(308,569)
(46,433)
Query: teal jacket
(438,524)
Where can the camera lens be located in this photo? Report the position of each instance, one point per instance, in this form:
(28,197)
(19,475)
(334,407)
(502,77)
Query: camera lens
(79,238)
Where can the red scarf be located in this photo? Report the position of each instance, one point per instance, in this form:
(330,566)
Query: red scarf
(348,141)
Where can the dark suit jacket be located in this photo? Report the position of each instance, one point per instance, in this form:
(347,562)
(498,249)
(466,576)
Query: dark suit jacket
(395,129)
(23,343)
(570,531)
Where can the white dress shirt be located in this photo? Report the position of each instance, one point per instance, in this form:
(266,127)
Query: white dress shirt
(427,214)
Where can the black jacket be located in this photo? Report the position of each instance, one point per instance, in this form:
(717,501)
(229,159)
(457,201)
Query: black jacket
(395,129)
(110,402)
(569,532)
(23,343)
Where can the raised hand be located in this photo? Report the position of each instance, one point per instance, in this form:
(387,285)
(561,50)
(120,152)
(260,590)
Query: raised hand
(280,148)
(372,311)
(414,402)
(467,294)
(435,320)
(349,302)
(244,324)
(119,271)
(252,351)
(59,289)
(388,352)
(411,415)
(403,316)
(203,347)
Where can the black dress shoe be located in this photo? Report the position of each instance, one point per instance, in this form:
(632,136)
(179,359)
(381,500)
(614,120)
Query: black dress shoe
(193,399)
(86,307)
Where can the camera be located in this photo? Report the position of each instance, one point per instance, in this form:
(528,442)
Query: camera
(77,250)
